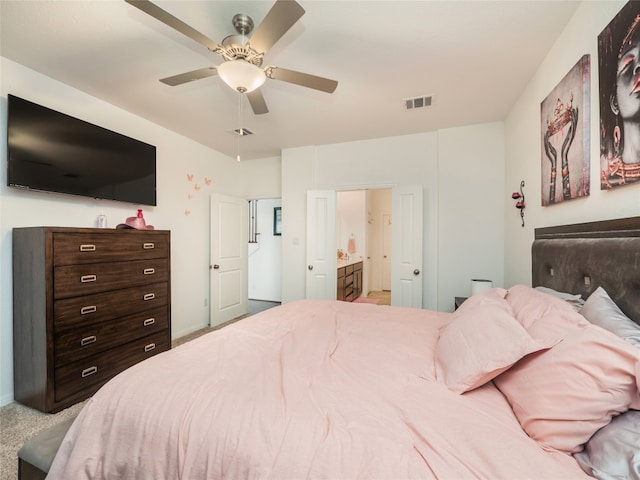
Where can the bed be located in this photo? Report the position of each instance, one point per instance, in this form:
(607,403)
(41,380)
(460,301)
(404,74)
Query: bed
(516,384)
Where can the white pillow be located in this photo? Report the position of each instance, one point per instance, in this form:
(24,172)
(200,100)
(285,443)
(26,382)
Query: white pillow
(613,451)
(601,310)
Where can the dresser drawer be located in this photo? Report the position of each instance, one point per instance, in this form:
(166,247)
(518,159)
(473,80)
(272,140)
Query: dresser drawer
(84,279)
(74,248)
(100,307)
(348,291)
(348,269)
(84,374)
(85,341)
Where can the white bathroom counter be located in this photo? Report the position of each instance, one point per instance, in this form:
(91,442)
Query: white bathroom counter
(346,263)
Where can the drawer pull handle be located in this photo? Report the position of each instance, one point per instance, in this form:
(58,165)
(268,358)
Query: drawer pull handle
(148,246)
(88,340)
(88,278)
(88,309)
(148,348)
(89,371)
(149,321)
(149,296)
(149,271)
(87,247)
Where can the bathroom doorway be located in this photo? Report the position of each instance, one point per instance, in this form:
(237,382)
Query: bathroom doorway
(364,229)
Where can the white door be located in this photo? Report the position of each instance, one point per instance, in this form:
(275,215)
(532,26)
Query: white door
(371,265)
(229,224)
(406,255)
(321,245)
(386,251)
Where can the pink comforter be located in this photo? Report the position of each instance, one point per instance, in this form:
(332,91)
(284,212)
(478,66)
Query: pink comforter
(312,389)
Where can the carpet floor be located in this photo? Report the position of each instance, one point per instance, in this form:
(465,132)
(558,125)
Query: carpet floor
(19,423)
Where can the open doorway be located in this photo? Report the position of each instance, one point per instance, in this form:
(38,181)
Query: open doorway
(264,255)
(364,231)
(321,277)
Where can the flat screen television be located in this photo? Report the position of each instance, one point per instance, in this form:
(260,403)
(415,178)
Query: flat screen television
(54,152)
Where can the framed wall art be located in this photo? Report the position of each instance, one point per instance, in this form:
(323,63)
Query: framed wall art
(619,76)
(565,116)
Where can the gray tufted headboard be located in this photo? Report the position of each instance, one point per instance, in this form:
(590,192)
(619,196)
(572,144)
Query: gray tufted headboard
(581,257)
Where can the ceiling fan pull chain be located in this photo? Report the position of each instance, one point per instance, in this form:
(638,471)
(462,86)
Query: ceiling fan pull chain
(240,128)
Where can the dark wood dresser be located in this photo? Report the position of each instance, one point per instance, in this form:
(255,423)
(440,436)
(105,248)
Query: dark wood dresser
(88,303)
(349,282)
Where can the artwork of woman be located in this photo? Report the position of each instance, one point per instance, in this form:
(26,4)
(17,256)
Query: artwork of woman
(619,58)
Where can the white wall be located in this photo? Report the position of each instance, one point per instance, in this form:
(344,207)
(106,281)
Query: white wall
(183,205)
(265,257)
(471,205)
(523,146)
(447,163)
(259,179)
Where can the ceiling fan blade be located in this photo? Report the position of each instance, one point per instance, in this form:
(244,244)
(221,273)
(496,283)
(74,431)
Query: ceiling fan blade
(302,79)
(190,76)
(165,17)
(258,105)
(278,21)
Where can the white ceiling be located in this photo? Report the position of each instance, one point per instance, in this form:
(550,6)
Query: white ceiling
(474,57)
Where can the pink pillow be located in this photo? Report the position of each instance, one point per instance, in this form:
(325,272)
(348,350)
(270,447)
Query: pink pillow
(546,318)
(481,341)
(561,397)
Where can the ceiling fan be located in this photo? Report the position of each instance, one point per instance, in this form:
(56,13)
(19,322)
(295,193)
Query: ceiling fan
(243,55)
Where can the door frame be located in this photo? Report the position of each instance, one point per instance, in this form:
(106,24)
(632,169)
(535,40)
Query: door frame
(347,188)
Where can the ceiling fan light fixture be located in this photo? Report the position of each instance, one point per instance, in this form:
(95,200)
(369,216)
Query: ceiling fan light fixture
(241,76)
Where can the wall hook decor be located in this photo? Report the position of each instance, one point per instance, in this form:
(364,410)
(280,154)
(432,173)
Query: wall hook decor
(519,196)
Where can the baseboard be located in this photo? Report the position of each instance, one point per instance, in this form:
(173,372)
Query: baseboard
(186,331)
(6,399)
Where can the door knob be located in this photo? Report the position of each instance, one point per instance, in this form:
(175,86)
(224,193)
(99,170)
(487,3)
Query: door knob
(310,267)
(216,267)
(416,272)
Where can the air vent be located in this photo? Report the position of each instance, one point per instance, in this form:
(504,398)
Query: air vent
(241,132)
(417,102)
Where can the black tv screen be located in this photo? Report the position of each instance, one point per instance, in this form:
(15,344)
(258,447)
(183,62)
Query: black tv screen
(54,152)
